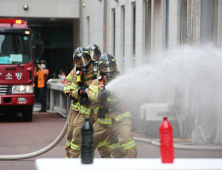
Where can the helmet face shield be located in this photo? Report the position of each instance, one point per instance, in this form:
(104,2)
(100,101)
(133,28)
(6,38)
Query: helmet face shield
(107,64)
(94,50)
(94,56)
(81,62)
(107,69)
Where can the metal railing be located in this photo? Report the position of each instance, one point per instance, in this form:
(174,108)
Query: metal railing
(57,100)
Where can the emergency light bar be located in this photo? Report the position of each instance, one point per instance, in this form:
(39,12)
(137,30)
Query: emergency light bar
(12,21)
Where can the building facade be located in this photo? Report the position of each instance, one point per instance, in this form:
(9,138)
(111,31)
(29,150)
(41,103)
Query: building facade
(135,30)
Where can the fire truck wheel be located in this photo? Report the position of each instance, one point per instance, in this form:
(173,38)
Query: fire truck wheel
(27,113)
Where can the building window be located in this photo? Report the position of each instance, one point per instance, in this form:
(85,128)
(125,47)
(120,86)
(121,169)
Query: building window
(183,21)
(147,29)
(166,24)
(134,33)
(114,31)
(123,34)
(206,23)
(88,31)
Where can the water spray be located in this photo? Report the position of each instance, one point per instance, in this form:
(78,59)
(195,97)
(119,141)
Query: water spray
(193,73)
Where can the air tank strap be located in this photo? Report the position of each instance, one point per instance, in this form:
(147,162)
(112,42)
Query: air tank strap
(93,77)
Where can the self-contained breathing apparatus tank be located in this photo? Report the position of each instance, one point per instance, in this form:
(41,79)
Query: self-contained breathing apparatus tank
(95,68)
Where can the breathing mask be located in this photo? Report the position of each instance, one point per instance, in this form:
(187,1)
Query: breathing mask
(43,65)
(107,71)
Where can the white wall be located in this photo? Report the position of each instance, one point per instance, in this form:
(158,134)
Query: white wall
(94,10)
(40,8)
(128,36)
(173,24)
(219,44)
(157,32)
(219,35)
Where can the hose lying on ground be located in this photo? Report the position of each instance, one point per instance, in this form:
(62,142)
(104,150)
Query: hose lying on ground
(39,152)
(180,147)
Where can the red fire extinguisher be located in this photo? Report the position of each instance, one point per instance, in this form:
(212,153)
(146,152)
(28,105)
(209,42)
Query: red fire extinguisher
(166,141)
(63,78)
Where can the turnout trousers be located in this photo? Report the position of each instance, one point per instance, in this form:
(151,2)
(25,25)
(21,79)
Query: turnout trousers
(122,130)
(71,118)
(103,149)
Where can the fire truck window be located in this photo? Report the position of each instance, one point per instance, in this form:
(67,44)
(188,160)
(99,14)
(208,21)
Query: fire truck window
(2,37)
(7,45)
(15,49)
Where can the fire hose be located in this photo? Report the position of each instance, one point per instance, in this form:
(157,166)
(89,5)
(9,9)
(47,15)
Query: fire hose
(41,151)
(180,147)
(64,130)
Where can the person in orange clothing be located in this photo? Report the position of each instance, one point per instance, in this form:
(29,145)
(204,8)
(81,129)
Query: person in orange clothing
(42,74)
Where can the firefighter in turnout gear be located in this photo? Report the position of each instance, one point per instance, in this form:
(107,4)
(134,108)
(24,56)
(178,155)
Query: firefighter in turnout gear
(113,118)
(74,109)
(81,80)
(114,146)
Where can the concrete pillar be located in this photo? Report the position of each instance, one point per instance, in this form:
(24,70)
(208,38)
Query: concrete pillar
(51,100)
(61,101)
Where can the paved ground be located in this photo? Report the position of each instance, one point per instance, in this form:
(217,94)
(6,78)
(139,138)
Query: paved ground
(17,137)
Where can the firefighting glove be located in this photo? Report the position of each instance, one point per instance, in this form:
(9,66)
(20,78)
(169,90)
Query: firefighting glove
(85,101)
(82,92)
(101,113)
(70,96)
(104,95)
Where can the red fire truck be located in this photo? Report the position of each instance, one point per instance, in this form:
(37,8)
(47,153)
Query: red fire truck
(16,68)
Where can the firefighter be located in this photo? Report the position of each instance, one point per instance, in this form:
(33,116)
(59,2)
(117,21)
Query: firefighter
(113,118)
(81,80)
(114,146)
(74,108)
(95,54)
